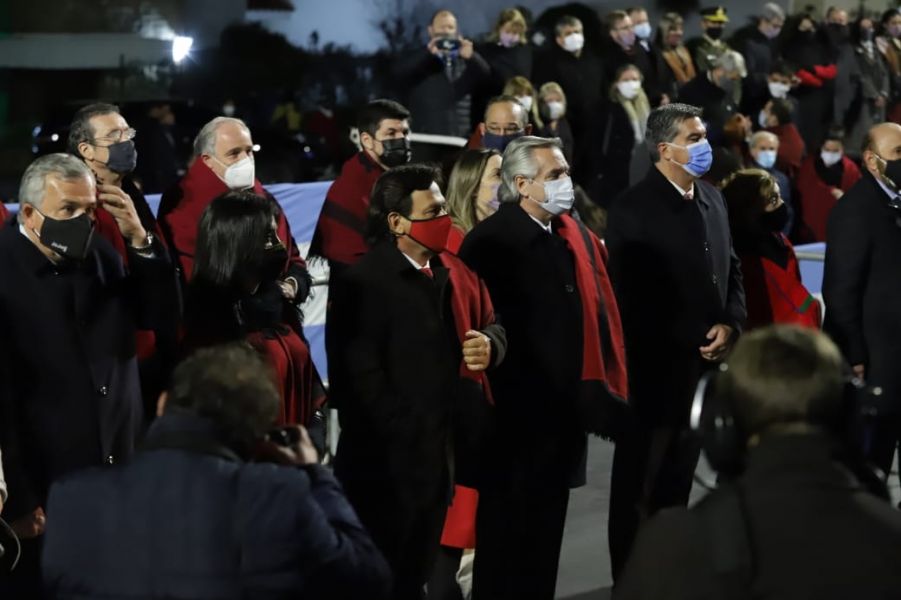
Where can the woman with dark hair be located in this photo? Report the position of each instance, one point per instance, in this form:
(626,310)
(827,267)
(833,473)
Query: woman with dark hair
(472,192)
(772,278)
(235,294)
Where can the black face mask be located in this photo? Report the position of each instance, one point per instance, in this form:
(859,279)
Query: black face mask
(396,152)
(122,157)
(892,172)
(715,33)
(70,238)
(775,221)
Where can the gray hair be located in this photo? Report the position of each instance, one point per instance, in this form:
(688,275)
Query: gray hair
(34,180)
(771,11)
(566,21)
(519,159)
(205,142)
(663,124)
(760,135)
(80,130)
(731,62)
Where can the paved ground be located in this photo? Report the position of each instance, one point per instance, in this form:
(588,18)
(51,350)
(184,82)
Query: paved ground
(584,561)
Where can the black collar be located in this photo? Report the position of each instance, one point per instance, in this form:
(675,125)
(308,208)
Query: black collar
(394,259)
(672,197)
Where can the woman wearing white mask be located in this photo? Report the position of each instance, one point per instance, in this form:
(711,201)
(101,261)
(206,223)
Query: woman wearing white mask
(551,121)
(623,134)
(823,179)
(522,89)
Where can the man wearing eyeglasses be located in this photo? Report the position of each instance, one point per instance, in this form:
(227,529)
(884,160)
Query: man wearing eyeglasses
(100,136)
(505,120)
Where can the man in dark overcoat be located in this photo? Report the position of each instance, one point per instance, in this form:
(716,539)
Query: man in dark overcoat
(678,284)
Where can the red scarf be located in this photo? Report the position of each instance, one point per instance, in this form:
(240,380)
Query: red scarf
(180,213)
(603,348)
(341,231)
(472,310)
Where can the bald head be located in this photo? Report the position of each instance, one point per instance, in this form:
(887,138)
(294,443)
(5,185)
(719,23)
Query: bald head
(883,143)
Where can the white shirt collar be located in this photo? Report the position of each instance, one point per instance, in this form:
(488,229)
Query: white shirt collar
(892,194)
(681,191)
(542,225)
(415,264)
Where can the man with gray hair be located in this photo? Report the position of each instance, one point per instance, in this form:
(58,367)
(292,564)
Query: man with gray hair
(565,375)
(717,92)
(677,280)
(757,43)
(223,160)
(69,391)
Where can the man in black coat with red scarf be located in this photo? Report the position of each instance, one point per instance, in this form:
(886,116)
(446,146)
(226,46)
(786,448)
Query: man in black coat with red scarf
(564,374)
(678,282)
(410,334)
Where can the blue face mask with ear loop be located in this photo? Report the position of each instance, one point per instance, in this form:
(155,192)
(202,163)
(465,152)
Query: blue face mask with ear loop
(700,157)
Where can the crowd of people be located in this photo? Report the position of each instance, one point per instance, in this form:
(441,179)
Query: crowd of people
(611,255)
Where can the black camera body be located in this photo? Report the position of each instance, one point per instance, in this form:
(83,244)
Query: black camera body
(286,437)
(448,44)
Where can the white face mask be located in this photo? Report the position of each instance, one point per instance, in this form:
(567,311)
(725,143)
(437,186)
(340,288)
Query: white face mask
(778,90)
(629,89)
(573,42)
(559,196)
(239,176)
(555,110)
(526,102)
(830,158)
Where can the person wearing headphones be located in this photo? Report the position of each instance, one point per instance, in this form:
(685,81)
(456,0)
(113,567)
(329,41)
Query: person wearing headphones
(800,517)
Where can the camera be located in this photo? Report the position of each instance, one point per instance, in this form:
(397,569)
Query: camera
(447,44)
(287,437)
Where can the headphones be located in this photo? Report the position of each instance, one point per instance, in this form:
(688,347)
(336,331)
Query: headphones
(724,439)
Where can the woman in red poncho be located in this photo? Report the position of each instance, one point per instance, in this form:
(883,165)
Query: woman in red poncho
(772,279)
(235,294)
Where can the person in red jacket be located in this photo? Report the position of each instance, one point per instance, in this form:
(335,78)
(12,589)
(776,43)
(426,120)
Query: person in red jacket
(774,292)
(223,161)
(823,179)
(340,236)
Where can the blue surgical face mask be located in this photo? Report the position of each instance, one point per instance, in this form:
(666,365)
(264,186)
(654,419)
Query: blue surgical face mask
(766,158)
(700,157)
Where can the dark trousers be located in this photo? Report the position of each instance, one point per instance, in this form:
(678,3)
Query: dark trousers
(518,537)
(653,468)
(881,437)
(408,535)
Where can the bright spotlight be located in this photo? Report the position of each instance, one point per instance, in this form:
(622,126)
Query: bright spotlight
(181,45)
(54,137)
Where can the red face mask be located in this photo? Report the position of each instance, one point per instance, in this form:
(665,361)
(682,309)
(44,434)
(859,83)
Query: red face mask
(431,233)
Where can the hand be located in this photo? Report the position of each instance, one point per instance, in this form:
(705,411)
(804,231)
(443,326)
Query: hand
(302,452)
(477,351)
(880,101)
(466,49)
(859,371)
(120,206)
(721,336)
(288,288)
(31,525)
(433,47)
(836,193)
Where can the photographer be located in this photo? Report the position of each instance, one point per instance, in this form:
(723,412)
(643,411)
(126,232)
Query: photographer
(191,517)
(442,78)
(802,520)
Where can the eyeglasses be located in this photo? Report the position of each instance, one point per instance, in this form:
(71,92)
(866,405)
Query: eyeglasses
(509,130)
(118,135)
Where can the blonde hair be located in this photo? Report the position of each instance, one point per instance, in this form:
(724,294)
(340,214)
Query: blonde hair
(551,87)
(463,186)
(513,16)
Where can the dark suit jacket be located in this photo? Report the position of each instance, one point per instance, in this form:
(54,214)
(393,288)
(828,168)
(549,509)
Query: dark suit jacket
(531,277)
(861,282)
(69,390)
(187,518)
(675,275)
(394,362)
(814,532)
